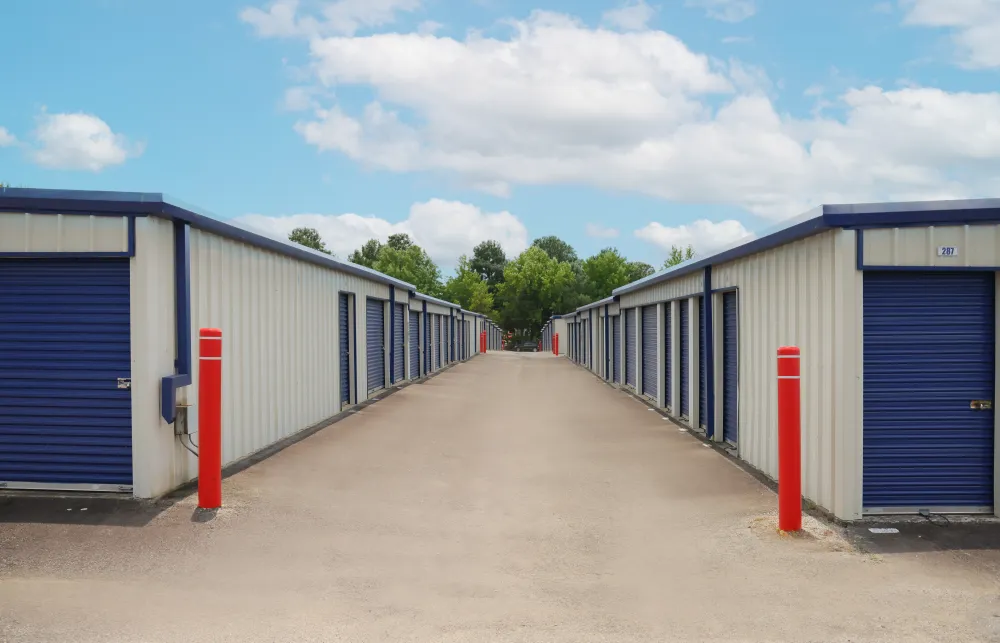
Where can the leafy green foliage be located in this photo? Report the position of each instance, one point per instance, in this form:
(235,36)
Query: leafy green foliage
(638,269)
(308,237)
(678,255)
(488,261)
(556,248)
(367,254)
(519,294)
(468,289)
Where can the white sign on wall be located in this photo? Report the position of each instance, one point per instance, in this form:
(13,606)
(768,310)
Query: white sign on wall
(947,251)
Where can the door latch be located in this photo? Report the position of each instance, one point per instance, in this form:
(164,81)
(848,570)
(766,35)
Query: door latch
(125,383)
(981,405)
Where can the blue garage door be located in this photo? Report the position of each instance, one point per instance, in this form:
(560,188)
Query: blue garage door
(345,351)
(928,355)
(616,349)
(414,345)
(445,341)
(649,341)
(630,347)
(375,344)
(398,343)
(65,340)
(702,365)
(668,343)
(685,359)
(437,341)
(428,344)
(730,366)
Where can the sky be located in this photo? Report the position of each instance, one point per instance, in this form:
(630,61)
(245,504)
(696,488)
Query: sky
(629,124)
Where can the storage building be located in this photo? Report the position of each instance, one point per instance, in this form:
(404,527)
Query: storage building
(894,309)
(101,298)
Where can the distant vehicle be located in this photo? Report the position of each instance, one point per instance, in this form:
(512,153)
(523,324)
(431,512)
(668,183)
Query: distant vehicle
(526,347)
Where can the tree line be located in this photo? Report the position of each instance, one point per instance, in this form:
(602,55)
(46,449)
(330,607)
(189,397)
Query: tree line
(518,293)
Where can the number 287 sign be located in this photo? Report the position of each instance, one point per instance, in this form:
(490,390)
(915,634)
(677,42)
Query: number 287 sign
(947,251)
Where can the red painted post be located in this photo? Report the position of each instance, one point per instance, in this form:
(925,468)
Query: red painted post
(789,440)
(555,344)
(210,419)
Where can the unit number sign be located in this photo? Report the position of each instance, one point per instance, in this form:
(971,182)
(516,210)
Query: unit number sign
(947,251)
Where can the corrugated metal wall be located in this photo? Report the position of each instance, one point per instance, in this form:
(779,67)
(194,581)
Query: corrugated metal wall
(275,314)
(975,245)
(691,284)
(807,294)
(62,233)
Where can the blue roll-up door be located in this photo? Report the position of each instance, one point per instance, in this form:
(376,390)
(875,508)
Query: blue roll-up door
(616,349)
(414,345)
(649,342)
(730,367)
(702,366)
(445,341)
(345,350)
(438,341)
(928,358)
(399,343)
(460,337)
(685,359)
(428,343)
(668,343)
(630,347)
(65,342)
(375,344)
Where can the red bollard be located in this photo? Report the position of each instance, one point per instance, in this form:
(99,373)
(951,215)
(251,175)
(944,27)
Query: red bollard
(210,419)
(789,440)
(555,344)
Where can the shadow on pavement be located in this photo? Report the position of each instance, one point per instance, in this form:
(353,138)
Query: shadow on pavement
(978,541)
(114,511)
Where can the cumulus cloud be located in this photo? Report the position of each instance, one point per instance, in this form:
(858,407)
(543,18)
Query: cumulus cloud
(633,15)
(79,141)
(445,229)
(705,236)
(975,26)
(725,10)
(282,19)
(6,138)
(598,231)
(558,102)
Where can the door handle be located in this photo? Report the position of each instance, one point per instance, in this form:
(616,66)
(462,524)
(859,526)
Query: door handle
(981,405)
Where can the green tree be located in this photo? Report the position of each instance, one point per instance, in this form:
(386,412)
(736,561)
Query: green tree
(556,248)
(604,272)
(308,237)
(367,254)
(399,242)
(638,269)
(678,255)
(535,286)
(468,289)
(488,260)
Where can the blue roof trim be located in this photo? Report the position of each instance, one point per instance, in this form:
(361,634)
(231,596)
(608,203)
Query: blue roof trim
(606,300)
(157,204)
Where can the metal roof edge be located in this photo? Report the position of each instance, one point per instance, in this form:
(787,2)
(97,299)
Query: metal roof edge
(434,300)
(607,300)
(45,201)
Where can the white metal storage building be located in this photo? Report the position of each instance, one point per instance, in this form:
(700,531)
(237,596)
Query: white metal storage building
(894,309)
(100,297)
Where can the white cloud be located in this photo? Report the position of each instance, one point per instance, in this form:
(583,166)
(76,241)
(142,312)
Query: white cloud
(557,102)
(705,236)
(79,142)
(281,19)
(975,26)
(598,231)
(725,10)
(445,229)
(633,15)
(6,138)
(429,27)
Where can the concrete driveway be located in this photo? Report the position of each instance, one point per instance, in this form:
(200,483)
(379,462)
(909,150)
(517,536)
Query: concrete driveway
(512,498)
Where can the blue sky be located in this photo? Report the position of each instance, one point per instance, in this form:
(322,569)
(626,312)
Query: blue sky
(680,121)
